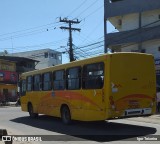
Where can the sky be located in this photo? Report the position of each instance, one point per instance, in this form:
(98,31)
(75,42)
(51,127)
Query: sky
(34,24)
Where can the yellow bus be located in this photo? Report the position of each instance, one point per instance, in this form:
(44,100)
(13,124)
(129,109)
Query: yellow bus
(104,87)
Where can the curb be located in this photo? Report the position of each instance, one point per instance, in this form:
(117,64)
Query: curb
(155,119)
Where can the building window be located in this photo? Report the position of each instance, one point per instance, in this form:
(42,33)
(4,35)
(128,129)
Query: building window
(59,57)
(29,83)
(37,82)
(46,54)
(59,80)
(93,76)
(73,78)
(30,65)
(52,55)
(47,81)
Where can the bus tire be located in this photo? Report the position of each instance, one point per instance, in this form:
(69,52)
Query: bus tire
(31,113)
(65,115)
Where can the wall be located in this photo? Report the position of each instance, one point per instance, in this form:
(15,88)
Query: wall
(130,22)
(151,47)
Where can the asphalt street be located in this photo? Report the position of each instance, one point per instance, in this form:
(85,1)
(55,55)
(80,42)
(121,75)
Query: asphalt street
(52,130)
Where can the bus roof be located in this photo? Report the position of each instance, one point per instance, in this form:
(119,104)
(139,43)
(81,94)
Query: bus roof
(80,62)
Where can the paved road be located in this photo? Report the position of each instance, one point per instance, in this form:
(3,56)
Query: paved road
(114,131)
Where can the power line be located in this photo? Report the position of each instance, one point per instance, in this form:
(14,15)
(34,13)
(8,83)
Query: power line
(74,10)
(93,12)
(112,37)
(89,52)
(84,37)
(38,45)
(94,29)
(133,34)
(38,31)
(28,29)
(90,44)
(26,34)
(87,8)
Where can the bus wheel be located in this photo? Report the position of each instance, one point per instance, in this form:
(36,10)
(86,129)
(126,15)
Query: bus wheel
(31,113)
(65,115)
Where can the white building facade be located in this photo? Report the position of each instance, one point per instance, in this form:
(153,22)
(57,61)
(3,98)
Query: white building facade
(46,57)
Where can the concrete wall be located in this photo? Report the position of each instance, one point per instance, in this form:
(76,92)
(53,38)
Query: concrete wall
(129,6)
(151,47)
(131,21)
(150,17)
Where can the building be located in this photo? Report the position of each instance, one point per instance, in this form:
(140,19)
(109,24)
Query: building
(46,57)
(138,27)
(22,64)
(8,81)
(10,68)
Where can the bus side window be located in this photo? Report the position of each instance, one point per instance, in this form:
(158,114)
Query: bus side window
(73,78)
(23,88)
(29,83)
(47,81)
(37,82)
(59,80)
(93,76)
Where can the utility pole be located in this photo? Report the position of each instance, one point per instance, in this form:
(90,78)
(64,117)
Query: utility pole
(70,29)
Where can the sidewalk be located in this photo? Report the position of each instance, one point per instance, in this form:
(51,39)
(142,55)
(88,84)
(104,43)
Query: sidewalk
(150,119)
(8,104)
